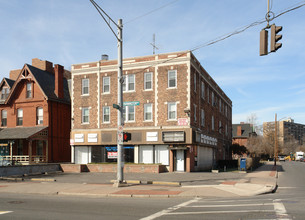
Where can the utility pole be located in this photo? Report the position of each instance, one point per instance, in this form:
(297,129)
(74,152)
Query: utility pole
(120,164)
(275,140)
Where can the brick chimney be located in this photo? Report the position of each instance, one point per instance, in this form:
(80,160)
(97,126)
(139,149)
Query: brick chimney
(43,65)
(59,85)
(238,131)
(14,74)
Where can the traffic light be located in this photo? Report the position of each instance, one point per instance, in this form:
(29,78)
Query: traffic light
(263,43)
(274,46)
(126,136)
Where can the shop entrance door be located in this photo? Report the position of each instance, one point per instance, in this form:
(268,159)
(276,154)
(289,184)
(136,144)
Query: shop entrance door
(180,161)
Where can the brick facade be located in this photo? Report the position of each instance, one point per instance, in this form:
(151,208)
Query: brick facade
(49,91)
(184,94)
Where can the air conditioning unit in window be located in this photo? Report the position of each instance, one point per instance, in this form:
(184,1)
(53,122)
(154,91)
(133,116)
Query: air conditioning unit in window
(40,122)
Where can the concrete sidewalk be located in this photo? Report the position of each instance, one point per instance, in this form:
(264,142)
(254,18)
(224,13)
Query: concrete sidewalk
(229,184)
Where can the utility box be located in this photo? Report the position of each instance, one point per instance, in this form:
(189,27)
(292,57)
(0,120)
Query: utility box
(243,162)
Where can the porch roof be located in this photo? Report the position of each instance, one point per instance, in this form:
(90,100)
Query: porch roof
(20,132)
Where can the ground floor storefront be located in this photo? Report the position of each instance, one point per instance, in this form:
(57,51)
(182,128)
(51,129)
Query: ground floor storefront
(176,158)
(180,150)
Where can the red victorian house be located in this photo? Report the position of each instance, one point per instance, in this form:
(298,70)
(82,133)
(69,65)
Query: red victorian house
(35,114)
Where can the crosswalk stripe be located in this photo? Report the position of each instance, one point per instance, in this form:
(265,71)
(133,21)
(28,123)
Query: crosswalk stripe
(236,205)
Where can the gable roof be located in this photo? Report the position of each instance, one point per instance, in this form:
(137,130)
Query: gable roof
(246,129)
(9,82)
(46,82)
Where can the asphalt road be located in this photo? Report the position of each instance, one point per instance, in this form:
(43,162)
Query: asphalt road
(287,203)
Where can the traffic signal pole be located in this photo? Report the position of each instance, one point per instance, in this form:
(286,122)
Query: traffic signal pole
(120,163)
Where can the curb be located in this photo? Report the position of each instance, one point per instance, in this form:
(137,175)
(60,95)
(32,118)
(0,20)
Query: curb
(150,182)
(43,180)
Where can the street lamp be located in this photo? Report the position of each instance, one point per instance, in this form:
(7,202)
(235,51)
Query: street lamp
(120,164)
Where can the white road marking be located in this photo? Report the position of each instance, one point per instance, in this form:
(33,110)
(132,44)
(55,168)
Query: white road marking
(5,212)
(166,211)
(238,205)
(280,210)
(216,212)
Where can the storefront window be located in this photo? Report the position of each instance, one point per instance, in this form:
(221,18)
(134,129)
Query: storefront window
(108,154)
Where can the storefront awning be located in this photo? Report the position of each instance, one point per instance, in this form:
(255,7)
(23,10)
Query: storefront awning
(20,133)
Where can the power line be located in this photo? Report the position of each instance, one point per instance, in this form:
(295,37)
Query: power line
(226,36)
(150,12)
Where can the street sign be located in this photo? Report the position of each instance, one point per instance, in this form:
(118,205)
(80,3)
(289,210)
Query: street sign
(135,103)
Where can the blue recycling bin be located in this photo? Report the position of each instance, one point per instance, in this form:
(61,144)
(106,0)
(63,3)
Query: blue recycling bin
(243,164)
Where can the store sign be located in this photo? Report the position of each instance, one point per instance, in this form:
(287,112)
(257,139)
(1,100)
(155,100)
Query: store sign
(205,139)
(78,138)
(173,136)
(112,155)
(183,121)
(151,136)
(92,138)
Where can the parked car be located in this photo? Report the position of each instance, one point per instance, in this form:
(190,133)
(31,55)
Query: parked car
(281,158)
(302,159)
(5,163)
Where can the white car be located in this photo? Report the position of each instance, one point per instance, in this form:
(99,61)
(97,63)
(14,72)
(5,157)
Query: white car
(282,158)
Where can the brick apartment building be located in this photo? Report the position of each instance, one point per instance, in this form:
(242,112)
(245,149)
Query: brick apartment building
(35,112)
(242,132)
(289,132)
(176,113)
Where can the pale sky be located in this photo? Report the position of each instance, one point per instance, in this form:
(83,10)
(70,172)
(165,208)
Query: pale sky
(71,31)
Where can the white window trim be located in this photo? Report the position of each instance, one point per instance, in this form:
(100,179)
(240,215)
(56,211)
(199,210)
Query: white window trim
(145,89)
(126,82)
(171,119)
(106,122)
(85,123)
(127,113)
(150,120)
(175,87)
(85,94)
(104,85)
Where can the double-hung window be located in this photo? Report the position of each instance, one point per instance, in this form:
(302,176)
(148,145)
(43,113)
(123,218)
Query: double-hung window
(106,114)
(202,90)
(148,81)
(129,113)
(29,90)
(195,113)
(85,115)
(148,112)
(4,93)
(3,118)
(19,117)
(213,125)
(195,82)
(202,117)
(172,79)
(172,110)
(39,116)
(129,83)
(106,84)
(85,86)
